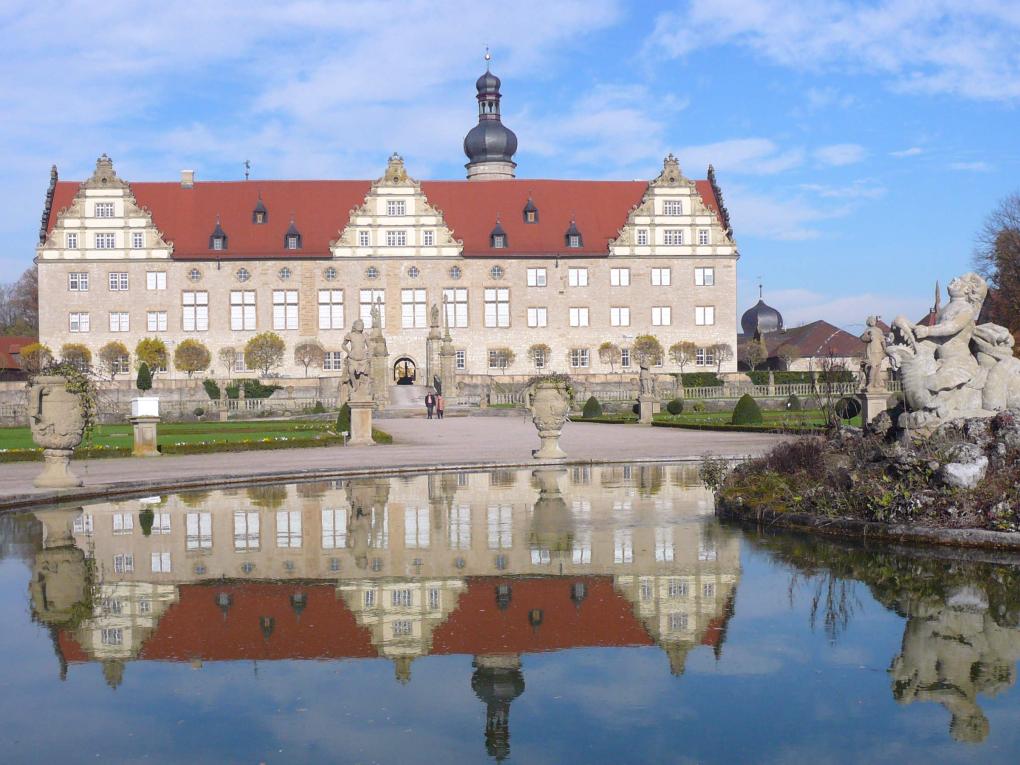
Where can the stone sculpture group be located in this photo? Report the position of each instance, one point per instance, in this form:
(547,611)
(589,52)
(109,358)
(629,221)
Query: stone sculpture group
(954,368)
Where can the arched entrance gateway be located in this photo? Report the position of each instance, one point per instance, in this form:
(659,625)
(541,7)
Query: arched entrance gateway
(404,371)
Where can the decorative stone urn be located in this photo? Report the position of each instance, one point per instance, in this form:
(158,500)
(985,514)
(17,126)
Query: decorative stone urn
(552,523)
(550,403)
(55,417)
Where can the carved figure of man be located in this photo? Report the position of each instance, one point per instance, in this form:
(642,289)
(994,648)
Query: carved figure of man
(356,364)
(646,382)
(875,354)
(434,316)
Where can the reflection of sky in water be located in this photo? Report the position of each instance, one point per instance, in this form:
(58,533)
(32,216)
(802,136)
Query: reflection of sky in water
(779,692)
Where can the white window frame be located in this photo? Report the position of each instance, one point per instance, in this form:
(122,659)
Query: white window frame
(396,237)
(641,237)
(428,238)
(334,529)
(673,237)
(579,358)
(577,277)
(416,528)
(539,358)
(160,563)
(155,280)
(285,309)
(78,281)
(704,276)
(619,277)
(71,240)
(331,309)
(704,236)
(195,311)
(137,240)
(619,316)
(332,361)
(662,316)
(456,301)
(120,321)
(499,241)
(105,241)
(118,281)
(198,531)
(242,310)
(704,315)
(364,238)
(497,307)
(155,321)
(625,357)
(538,317)
(500,527)
(413,308)
(79,321)
(247,530)
(288,529)
(537,277)
(672,207)
(578,316)
(662,277)
(104,210)
(123,523)
(396,207)
(460,360)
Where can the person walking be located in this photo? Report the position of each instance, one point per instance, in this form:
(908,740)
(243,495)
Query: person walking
(430,403)
(440,405)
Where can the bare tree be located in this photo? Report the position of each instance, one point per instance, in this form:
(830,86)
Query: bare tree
(997,257)
(111,356)
(721,352)
(19,305)
(752,353)
(309,353)
(610,353)
(788,354)
(682,354)
(226,357)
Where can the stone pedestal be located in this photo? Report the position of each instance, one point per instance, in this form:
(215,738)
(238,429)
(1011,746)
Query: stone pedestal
(145,432)
(873,402)
(361,422)
(646,408)
(56,473)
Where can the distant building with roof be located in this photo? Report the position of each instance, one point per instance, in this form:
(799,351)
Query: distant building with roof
(10,356)
(540,271)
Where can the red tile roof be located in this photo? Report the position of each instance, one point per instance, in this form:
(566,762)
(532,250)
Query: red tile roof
(814,340)
(187,216)
(9,346)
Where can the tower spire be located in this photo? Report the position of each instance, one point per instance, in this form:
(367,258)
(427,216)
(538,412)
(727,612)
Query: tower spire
(489,145)
(938,296)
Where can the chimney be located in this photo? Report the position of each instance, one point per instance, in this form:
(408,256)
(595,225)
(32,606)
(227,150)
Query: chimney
(187,179)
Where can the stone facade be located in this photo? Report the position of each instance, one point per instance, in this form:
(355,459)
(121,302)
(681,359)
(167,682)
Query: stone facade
(107,273)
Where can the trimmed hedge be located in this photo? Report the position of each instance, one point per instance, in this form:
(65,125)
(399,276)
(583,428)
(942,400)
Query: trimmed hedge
(746,412)
(676,406)
(592,408)
(804,431)
(252,389)
(781,377)
(700,380)
(212,388)
(612,419)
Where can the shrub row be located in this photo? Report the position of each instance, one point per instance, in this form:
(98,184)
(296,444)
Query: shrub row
(761,377)
(252,389)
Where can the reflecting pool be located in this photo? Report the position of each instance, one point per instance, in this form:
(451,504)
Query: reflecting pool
(585,614)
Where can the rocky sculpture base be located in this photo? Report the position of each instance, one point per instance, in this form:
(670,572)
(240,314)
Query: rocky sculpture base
(873,403)
(56,472)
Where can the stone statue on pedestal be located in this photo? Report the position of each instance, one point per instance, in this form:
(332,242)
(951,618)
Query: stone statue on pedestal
(875,354)
(356,375)
(955,368)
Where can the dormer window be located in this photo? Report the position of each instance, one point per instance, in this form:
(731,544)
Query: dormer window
(260,214)
(292,239)
(530,212)
(573,237)
(497,239)
(218,238)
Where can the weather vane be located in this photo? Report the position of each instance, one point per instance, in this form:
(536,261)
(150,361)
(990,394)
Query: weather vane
(247,168)
(488,58)
(759,288)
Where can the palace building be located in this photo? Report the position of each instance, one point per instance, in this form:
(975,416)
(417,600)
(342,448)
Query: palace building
(529,275)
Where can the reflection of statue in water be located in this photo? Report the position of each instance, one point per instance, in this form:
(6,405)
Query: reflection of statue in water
(355,375)
(953,651)
(955,368)
(875,354)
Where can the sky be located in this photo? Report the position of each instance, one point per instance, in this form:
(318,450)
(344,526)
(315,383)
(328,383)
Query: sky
(859,145)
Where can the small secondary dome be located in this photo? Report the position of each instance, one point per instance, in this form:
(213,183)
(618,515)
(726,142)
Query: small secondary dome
(761,319)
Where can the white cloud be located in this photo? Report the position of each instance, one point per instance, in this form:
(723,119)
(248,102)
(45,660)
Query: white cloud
(740,156)
(913,151)
(786,217)
(840,154)
(938,46)
(971,167)
(800,306)
(859,189)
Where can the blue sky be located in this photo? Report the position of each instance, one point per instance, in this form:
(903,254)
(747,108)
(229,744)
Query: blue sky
(859,145)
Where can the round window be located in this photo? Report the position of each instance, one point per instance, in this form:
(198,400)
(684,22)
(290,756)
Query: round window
(284,273)
(371,272)
(455,272)
(329,274)
(195,275)
(496,272)
(413,272)
(243,275)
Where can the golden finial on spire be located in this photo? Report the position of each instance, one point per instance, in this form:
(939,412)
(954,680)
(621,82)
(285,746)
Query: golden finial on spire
(488,58)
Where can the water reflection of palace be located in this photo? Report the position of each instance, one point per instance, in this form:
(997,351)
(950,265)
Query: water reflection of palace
(492,565)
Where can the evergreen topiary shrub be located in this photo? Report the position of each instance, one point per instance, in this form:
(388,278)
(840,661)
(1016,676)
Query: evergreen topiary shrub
(343,419)
(144,380)
(145,519)
(698,407)
(676,406)
(592,408)
(746,412)
(793,403)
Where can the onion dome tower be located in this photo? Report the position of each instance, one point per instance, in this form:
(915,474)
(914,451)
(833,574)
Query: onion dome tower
(490,145)
(497,681)
(761,319)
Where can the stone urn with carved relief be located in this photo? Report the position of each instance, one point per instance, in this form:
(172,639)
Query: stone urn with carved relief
(550,403)
(58,425)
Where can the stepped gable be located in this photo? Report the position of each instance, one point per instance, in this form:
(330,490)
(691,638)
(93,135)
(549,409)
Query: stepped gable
(186,215)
